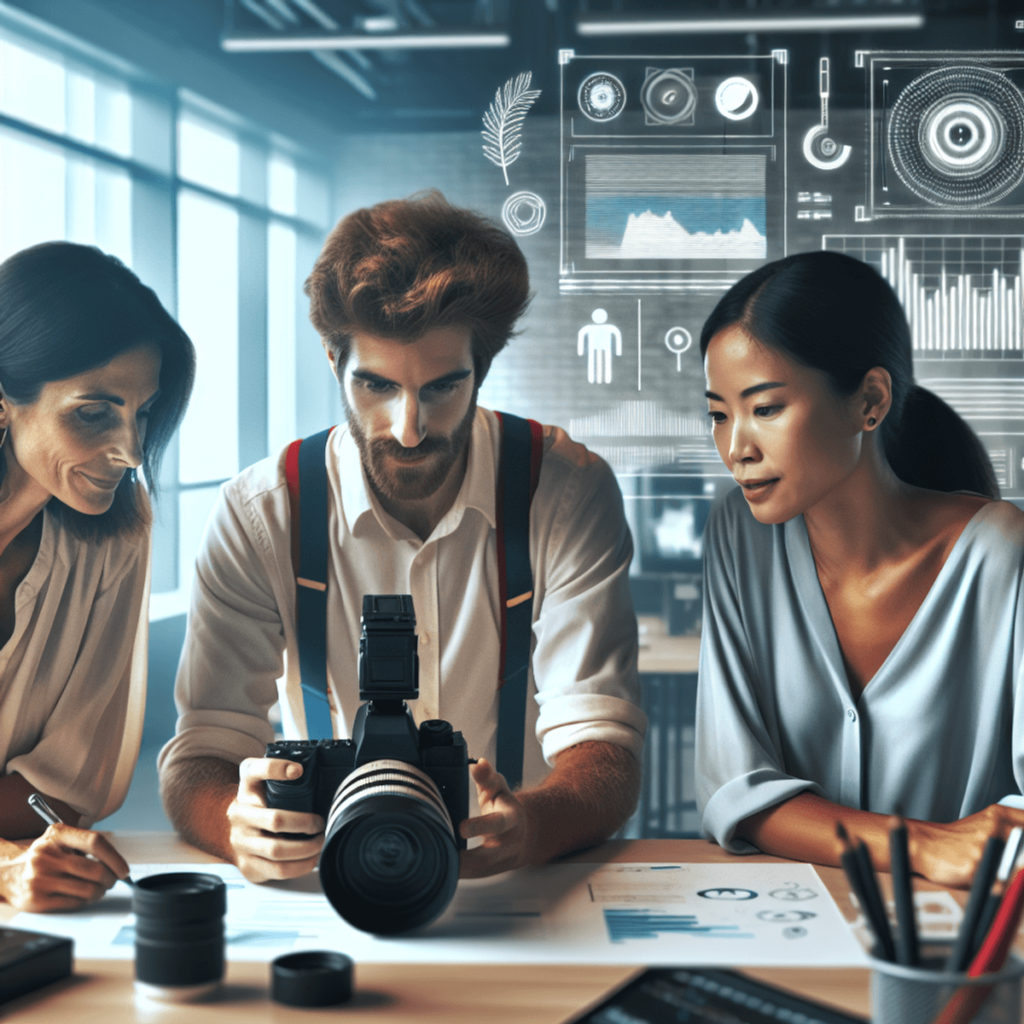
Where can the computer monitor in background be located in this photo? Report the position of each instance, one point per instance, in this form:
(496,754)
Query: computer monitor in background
(667,511)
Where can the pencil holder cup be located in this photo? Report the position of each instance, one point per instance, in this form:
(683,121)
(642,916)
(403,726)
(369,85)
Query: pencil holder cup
(916,995)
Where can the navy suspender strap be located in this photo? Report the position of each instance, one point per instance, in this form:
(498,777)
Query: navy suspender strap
(521,449)
(522,444)
(310,500)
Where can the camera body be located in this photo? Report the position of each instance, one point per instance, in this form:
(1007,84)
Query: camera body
(384,728)
(393,796)
(435,748)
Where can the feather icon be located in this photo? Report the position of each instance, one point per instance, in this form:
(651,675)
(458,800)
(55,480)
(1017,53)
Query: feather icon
(503,121)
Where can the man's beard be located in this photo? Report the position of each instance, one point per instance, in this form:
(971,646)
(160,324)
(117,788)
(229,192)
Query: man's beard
(417,481)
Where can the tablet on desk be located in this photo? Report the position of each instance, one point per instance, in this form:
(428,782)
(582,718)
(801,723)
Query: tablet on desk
(662,995)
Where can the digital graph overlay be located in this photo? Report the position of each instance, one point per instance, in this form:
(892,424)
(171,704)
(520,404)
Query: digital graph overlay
(670,206)
(646,924)
(961,293)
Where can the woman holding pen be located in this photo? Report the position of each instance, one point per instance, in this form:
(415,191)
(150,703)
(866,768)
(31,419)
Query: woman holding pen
(863,636)
(94,378)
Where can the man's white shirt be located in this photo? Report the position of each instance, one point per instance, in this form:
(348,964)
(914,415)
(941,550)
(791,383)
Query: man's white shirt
(241,648)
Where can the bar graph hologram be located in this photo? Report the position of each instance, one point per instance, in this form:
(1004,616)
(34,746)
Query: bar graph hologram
(962,294)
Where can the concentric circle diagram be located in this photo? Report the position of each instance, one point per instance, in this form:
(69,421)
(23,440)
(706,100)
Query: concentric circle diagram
(601,96)
(524,213)
(669,96)
(956,136)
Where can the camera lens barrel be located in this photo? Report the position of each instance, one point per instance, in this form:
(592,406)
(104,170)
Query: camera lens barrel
(390,862)
(179,933)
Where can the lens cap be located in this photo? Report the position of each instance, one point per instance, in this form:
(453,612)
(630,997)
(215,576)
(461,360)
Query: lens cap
(313,978)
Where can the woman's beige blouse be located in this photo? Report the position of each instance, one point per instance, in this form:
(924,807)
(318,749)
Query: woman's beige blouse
(73,674)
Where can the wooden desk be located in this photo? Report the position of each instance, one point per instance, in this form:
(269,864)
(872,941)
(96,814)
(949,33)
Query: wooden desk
(101,991)
(669,654)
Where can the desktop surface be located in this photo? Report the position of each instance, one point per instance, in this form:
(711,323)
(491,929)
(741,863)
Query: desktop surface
(102,990)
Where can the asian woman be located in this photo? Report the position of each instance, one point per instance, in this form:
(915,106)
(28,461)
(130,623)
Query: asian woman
(863,639)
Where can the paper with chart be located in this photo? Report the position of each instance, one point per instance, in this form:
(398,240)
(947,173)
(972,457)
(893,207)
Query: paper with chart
(736,913)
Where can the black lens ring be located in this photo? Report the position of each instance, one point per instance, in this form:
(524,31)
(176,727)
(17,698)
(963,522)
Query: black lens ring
(180,896)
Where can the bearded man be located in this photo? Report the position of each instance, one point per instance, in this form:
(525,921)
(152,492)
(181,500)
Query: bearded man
(412,300)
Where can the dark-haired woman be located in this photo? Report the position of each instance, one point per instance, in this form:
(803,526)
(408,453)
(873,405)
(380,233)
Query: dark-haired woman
(863,644)
(94,377)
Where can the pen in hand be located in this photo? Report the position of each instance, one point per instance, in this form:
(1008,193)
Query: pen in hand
(44,810)
(47,813)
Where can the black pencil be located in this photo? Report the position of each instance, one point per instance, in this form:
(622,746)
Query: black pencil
(875,903)
(1011,852)
(903,894)
(960,955)
(853,867)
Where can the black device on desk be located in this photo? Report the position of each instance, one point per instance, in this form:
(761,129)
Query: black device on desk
(29,960)
(668,995)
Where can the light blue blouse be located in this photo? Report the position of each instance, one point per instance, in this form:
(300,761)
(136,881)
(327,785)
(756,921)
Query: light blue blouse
(938,731)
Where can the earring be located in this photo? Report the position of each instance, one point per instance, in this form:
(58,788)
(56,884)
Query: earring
(134,478)
(872,421)
(3,437)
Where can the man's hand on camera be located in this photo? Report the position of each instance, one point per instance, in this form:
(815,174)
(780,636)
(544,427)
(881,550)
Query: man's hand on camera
(269,843)
(504,822)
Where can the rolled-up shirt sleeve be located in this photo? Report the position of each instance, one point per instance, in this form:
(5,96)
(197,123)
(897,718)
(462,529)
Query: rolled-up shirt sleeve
(584,659)
(234,643)
(739,765)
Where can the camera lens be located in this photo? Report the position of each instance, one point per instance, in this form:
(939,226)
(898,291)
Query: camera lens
(179,933)
(389,862)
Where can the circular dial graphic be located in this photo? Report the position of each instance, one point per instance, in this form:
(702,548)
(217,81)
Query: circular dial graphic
(736,98)
(602,96)
(524,213)
(669,96)
(956,136)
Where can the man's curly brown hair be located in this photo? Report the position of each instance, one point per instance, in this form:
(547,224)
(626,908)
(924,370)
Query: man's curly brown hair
(408,266)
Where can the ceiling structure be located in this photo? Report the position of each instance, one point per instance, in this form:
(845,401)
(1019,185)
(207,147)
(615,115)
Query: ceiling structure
(413,65)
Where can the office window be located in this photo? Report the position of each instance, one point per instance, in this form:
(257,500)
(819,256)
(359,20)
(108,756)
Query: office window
(99,207)
(208,155)
(47,195)
(99,112)
(282,184)
(86,155)
(282,310)
(32,86)
(208,310)
(32,193)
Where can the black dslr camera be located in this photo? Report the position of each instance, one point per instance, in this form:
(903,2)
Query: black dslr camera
(392,796)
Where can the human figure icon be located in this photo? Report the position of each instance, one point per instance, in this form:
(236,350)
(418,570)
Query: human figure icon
(597,339)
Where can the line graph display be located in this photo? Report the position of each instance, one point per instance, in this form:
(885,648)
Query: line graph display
(675,206)
(962,294)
